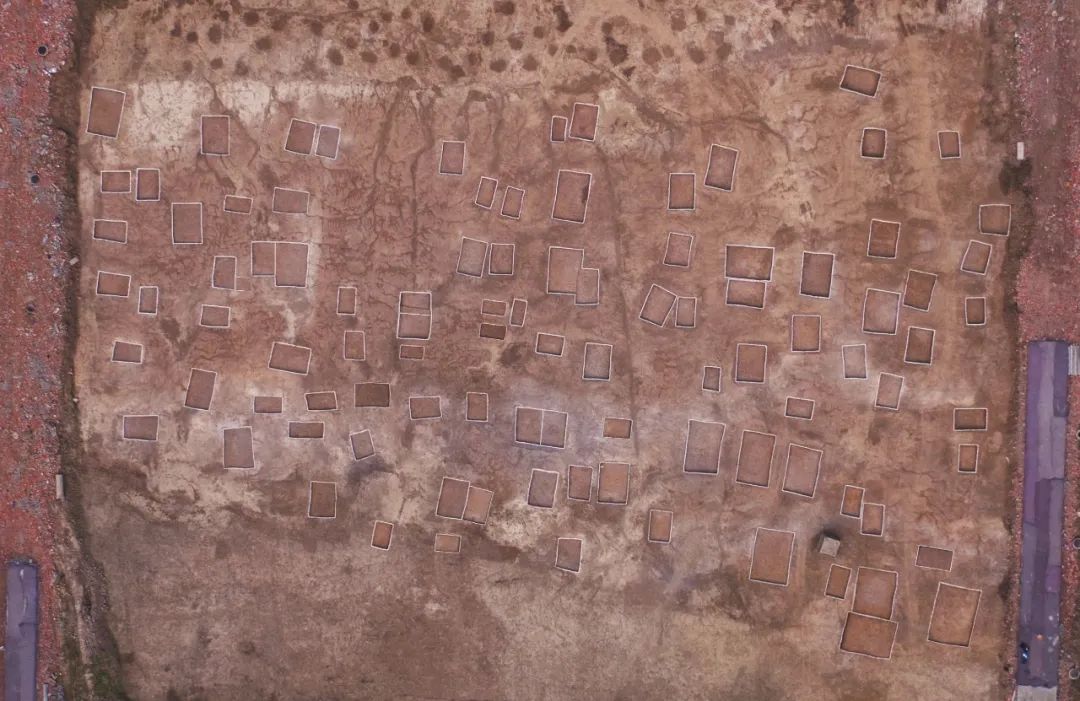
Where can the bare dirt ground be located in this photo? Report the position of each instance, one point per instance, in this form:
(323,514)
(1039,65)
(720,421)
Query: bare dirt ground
(218,584)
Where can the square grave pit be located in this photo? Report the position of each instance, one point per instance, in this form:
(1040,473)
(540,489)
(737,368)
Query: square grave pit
(976,258)
(290,264)
(237,204)
(682,192)
(187,223)
(805,333)
(362,445)
(863,81)
(919,349)
(485,192)
(326,146)
(478,505)
(289,201)
(568,554)
(267,404)
(975,311)
(613,487)
(948,144)
(919,290)
(542,487)
(799,408)
(970,419)
(239,450)
(953,617)
(884,239)
(501,259)
(583,121)
(932,558)
(679,249)
(754,463)
(746,262)
(720,172)
(127,352)
(872,519)
(111,230)
(802,470)
(447,543)
(571,196)
(874,142)
(817,274)
(772,555)
(476,407)
(881,311)
(746,293)
(657,305)
(558,129)
(147,185)
(472,257)
(562,269)
(308,430)
(751,363)
(852,502)
(889,390)
(322,500)
(105,111)
(619,428)
(300,137)
(425,408)
(837,584)
(453,493)
(452,158)
(661,524)
(597,363)
(995,219)
(579,482)
(214,133)
(115,182)
(869,636)
(712,378)
(140,427)
(355,346)
(701,451)
(371,395)
(512,203)
(967,458)
(200,389)
(382,535)
(875,592)
(289,358)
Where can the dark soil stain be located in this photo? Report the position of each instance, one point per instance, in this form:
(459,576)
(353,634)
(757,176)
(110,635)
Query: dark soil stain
(851,13)
(530,63)
(515,41)
(250,18)
(394,50)
(214,34)
(498,65)
(427,23)
(217,63)
(368,57)
(487,38)
(264,43)
(192,37)
(651,56)
(412,58)
(505,7)
(351,43)
(562,18)
(279,23)
(241,69)
(695,53)
(316,27)
(334,56)
(616,51)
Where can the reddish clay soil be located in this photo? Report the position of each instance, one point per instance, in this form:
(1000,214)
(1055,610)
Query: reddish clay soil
(34,317)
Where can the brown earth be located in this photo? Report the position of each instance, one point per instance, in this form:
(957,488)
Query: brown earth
(217,583)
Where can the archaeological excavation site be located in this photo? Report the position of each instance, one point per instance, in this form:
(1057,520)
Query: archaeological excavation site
(540,350)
